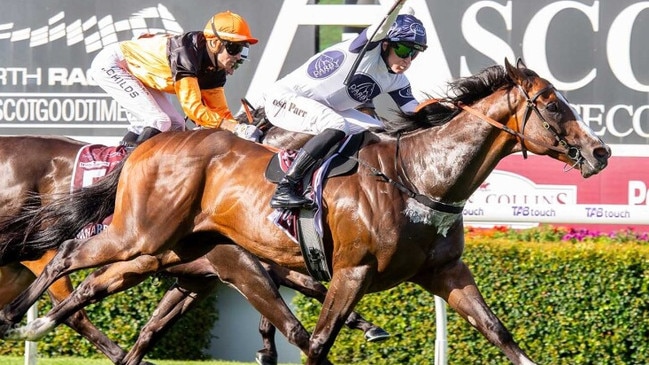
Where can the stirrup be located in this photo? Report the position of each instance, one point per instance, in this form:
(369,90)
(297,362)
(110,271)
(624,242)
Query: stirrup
(291,203)
(287,195)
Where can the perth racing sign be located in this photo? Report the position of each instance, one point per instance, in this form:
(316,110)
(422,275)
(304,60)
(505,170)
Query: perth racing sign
(44,74)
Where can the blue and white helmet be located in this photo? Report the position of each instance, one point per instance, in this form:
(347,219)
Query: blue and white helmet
(407,28)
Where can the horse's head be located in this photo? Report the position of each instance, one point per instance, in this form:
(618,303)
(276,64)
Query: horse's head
(548,125)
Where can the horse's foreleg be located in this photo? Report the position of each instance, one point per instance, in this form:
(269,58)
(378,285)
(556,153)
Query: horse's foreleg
(456,285)
(205,267)
(311,288)
(79,321)
(13,312)
(268,355)
(182,296)
(348,285)
(237,267)
(105,281)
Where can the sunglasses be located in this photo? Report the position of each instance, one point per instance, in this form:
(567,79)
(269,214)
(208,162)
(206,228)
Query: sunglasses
(403,50)
(233,48)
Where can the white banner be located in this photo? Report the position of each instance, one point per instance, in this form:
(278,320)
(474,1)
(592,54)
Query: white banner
(574,213)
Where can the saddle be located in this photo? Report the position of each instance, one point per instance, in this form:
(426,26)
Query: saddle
(304,226)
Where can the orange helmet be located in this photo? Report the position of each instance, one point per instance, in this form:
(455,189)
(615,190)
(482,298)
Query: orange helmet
(230,27)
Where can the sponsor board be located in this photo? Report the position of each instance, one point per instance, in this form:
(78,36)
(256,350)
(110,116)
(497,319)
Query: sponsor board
(526,192)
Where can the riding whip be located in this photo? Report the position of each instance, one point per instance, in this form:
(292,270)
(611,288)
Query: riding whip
(358,59)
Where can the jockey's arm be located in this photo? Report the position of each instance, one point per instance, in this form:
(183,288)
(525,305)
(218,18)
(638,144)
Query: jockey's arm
(207,108)
(404,99)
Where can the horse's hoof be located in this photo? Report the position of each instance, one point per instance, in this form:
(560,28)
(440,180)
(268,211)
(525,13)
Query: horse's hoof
(263,358)
(376,334)
(8,331)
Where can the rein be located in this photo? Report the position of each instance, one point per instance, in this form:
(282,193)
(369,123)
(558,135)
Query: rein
(423,199)
(572,152)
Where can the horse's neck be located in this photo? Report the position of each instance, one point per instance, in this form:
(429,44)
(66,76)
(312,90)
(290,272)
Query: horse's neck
(450,162)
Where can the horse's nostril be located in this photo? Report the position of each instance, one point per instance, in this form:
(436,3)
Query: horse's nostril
(602,153)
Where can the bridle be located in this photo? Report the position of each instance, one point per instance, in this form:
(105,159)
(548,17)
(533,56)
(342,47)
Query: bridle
(564,147)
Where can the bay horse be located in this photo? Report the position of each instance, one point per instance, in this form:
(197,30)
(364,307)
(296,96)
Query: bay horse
(37,169)
(398,218)
(40,165)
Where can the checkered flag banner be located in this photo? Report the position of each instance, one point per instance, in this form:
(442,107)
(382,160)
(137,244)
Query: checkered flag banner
(95,34)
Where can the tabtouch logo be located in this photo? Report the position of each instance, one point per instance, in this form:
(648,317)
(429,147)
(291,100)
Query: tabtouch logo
(95,34)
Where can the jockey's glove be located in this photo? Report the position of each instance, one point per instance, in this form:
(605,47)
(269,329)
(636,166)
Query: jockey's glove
(248,131)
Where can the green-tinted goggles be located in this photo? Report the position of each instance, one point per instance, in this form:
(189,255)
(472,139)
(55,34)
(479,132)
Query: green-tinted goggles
(404,50)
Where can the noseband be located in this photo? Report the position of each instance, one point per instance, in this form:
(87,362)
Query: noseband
(572,152)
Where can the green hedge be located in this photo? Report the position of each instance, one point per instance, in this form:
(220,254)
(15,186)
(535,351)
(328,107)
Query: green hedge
(121,316)
(565,303)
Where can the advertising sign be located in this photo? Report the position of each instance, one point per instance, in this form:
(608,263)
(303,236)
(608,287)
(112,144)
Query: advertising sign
(524,193)
(46,52)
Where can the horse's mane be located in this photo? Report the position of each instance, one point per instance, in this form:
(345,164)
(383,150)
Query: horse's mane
(465,90)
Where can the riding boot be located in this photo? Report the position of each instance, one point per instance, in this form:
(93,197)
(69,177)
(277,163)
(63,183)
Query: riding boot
(287,195)
(129,140)
(147,133)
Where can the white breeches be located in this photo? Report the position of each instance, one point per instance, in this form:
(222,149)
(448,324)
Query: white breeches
(146,107)
(291,111)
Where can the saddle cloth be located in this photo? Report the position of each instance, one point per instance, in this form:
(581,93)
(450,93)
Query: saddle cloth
(92,163)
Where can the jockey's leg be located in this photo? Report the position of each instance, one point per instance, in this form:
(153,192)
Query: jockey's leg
(147,133)
(132,139)
(129,140)
(287,195)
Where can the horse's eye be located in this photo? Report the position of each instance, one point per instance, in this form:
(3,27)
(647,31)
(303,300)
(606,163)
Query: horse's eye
(553,107)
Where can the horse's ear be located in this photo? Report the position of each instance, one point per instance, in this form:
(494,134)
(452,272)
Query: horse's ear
(514,73)
(520,63)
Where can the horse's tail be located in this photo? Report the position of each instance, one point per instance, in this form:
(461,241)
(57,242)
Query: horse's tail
(12,229)
(47,226)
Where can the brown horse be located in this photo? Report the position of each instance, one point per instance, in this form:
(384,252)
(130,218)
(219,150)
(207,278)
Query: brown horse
(39,168)
(40,165)
(396,219)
